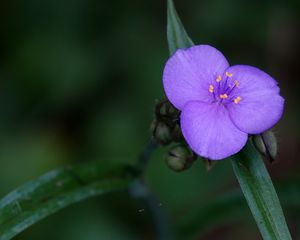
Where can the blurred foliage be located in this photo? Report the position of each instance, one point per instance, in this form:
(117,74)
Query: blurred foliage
(78,83)
(55,190)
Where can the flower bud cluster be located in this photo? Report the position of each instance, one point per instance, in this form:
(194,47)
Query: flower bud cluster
(166,130)
(165,126)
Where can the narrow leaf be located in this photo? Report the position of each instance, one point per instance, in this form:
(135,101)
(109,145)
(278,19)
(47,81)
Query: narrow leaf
(176,34)
(260,194)
(54,191)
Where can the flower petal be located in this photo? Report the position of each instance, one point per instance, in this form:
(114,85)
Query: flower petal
(209,131)
(260,106)
(189,72)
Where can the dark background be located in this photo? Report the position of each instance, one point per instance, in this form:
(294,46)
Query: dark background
(78,83)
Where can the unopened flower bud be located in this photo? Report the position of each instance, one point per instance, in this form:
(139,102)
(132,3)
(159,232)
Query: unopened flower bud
(166,109)
(162,133)
(266,144)
(153,126)
(180,158)
(209,164)
(259,144)
(270,141)
(177,134)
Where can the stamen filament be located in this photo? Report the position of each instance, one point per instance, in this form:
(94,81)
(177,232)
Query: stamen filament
(236,83)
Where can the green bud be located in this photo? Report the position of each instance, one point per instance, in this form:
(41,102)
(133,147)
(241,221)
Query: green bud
(270,141)
(162,133)
(180,158)
(266,144)
(166,109)
(177,134)
(209,164)
(153,126)
(259,144)
(164,127)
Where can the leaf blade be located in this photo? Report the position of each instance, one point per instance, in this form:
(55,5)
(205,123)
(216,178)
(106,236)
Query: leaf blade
(54,191)
(176,33)
(260,194)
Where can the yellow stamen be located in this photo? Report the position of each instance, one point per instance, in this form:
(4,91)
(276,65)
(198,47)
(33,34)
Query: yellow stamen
(237,100)
(228,74)
(211,88)
(219,78)
(223,96)
(236,83)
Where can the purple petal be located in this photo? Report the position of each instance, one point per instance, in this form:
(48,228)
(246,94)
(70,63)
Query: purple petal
(260,106)
(189,72)
(209,131)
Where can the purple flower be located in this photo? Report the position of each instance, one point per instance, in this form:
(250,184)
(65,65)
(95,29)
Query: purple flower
(220,104)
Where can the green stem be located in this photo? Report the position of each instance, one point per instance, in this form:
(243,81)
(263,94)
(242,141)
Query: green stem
(140,190)
(145,156)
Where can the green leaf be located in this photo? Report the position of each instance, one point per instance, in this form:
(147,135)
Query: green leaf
(177,36)
(260,194)
(54,191)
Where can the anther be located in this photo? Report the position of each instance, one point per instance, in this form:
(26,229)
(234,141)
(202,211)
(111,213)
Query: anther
(228,74)
(211,88)
(219,78)
(236,83)
(223,96)
(237,100)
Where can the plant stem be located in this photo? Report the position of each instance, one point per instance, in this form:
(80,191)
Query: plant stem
(145,156)
(141,191)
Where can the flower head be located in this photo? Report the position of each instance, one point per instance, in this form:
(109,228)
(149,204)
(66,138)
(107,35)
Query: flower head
(220,104)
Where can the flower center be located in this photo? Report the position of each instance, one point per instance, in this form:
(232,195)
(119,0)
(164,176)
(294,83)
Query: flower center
(223,89)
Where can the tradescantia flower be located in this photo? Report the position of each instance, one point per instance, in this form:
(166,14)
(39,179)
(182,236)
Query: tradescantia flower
(220,104)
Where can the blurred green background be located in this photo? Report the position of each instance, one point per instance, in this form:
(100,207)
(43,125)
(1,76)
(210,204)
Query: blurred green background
(78,83)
